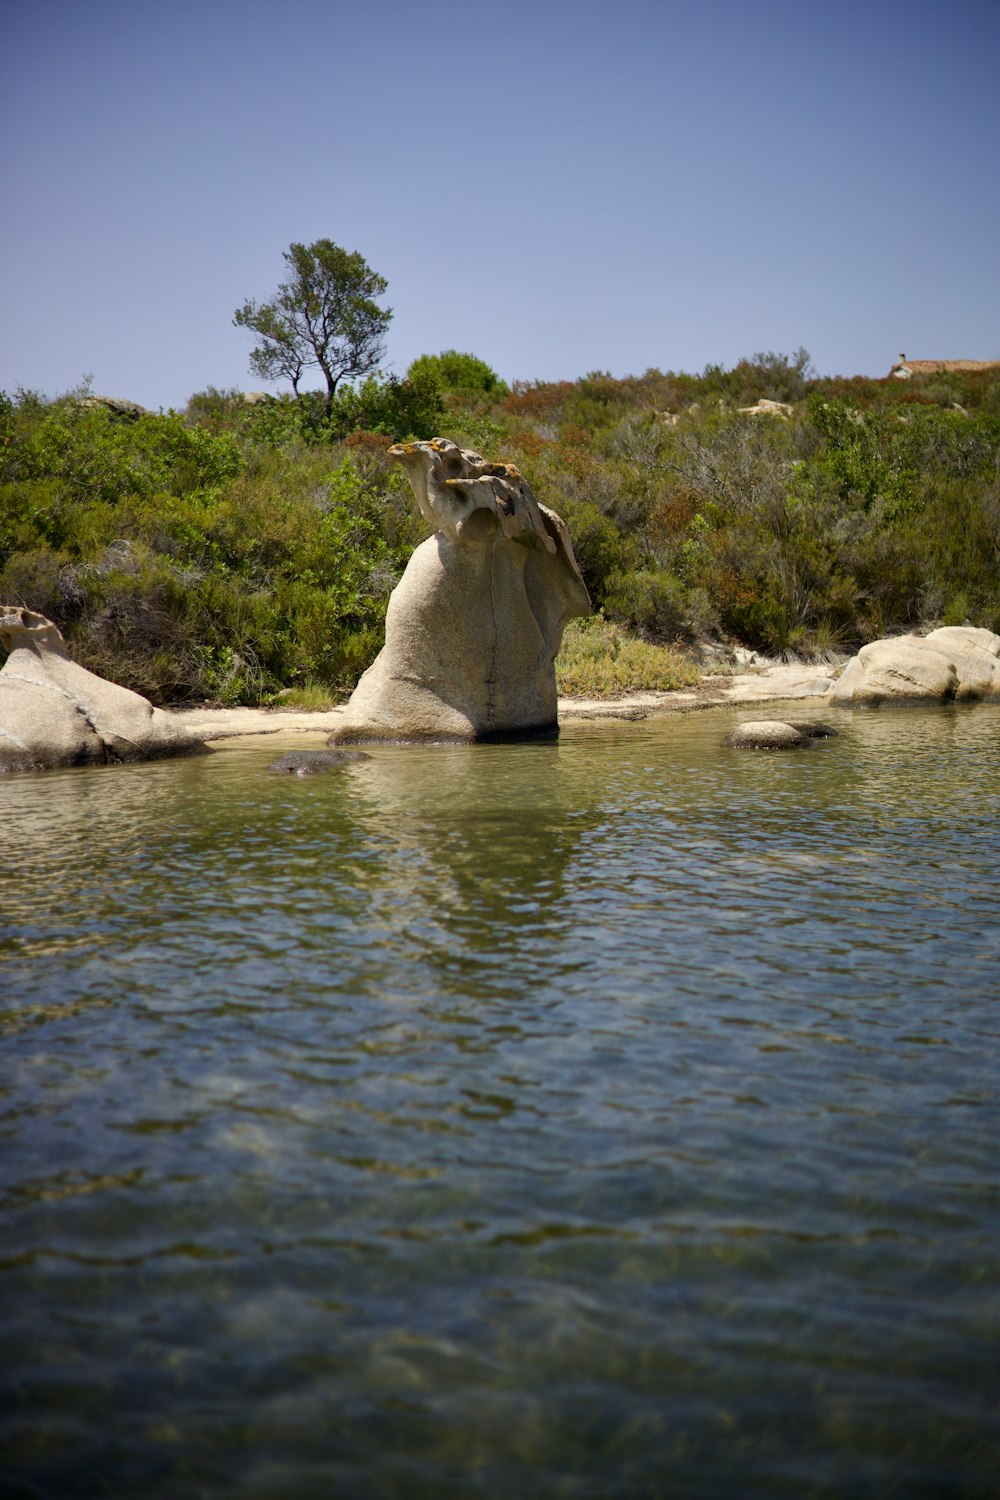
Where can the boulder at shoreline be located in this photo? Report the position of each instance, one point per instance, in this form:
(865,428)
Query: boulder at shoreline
(955,664)
(54,712)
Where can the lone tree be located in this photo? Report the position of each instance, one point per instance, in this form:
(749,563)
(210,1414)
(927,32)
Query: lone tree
(325,316)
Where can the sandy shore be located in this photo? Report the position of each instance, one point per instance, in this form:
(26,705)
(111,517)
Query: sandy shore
(768,684)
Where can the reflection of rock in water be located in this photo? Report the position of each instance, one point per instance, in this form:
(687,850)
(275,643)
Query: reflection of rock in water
(492,825)
(890,766)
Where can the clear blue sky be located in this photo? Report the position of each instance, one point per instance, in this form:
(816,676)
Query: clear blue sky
(557,186)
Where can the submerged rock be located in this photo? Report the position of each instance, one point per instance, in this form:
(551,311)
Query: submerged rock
(474,625)
(957,663)
(54,712)
(813,729)
(314,762)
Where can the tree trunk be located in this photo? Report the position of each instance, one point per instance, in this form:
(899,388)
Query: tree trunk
(331,387)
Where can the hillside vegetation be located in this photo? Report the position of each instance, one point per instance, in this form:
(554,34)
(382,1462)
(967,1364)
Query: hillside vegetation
(235,549)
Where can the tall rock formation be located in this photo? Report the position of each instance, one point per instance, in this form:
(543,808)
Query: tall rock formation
(474,624)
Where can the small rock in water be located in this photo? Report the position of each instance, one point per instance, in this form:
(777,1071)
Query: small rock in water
(767,734)
(314,762)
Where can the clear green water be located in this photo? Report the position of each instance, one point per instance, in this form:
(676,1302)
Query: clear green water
(612,1117)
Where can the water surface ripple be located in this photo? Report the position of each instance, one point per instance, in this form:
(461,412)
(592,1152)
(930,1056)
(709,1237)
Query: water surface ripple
(610,1117)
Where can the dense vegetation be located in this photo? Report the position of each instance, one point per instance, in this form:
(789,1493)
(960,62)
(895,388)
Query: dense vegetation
(238,548)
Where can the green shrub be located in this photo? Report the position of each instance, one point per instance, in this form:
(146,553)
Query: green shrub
(398,409)
(463,373)
(264,565)
(240,549)
(657,605)
(309,697)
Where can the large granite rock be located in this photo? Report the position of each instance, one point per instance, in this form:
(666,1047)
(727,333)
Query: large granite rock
(766,408)
(958,663)
(116,406)
(474,625)
(56,713)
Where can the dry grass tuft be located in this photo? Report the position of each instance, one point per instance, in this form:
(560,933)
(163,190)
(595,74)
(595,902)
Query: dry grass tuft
(600,658)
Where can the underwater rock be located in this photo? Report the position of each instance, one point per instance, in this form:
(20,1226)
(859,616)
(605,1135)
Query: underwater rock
(314,762)
(474,624)
(813,729)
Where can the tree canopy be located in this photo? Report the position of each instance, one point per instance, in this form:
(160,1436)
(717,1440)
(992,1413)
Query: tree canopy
(325,316)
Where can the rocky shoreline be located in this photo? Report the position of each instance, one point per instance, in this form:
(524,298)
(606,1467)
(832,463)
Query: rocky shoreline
(774,682)
(950,665)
